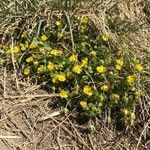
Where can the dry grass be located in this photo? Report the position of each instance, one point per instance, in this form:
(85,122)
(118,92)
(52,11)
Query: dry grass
(28,118)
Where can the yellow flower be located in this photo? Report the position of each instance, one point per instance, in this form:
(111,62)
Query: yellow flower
(77,69)
(58,23)
(61,77)
(41,69)
(125,111)
(26,71)
(84,62)
(87,90)
(73,57)
(105,38)
(139,67)
(70,75)
(50,66)
(118,67)
(131,79)
(29,59)
(119,64)
(105,88)
(16,49)
(83,104)
(93,53)
(64,94)
(115,97)
(84,20)
(101,69)
(43,38)
(55,52)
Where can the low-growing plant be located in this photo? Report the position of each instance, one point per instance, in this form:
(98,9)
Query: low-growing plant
(85,67)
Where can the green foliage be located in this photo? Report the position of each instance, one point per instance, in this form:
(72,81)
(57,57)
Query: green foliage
(84,67)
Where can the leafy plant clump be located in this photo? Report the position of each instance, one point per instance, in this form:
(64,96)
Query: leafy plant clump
(85,67)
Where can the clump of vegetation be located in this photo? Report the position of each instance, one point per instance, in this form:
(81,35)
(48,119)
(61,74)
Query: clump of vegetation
(83,66)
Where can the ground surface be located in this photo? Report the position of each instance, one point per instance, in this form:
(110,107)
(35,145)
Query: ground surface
(27,123)
(29,120)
